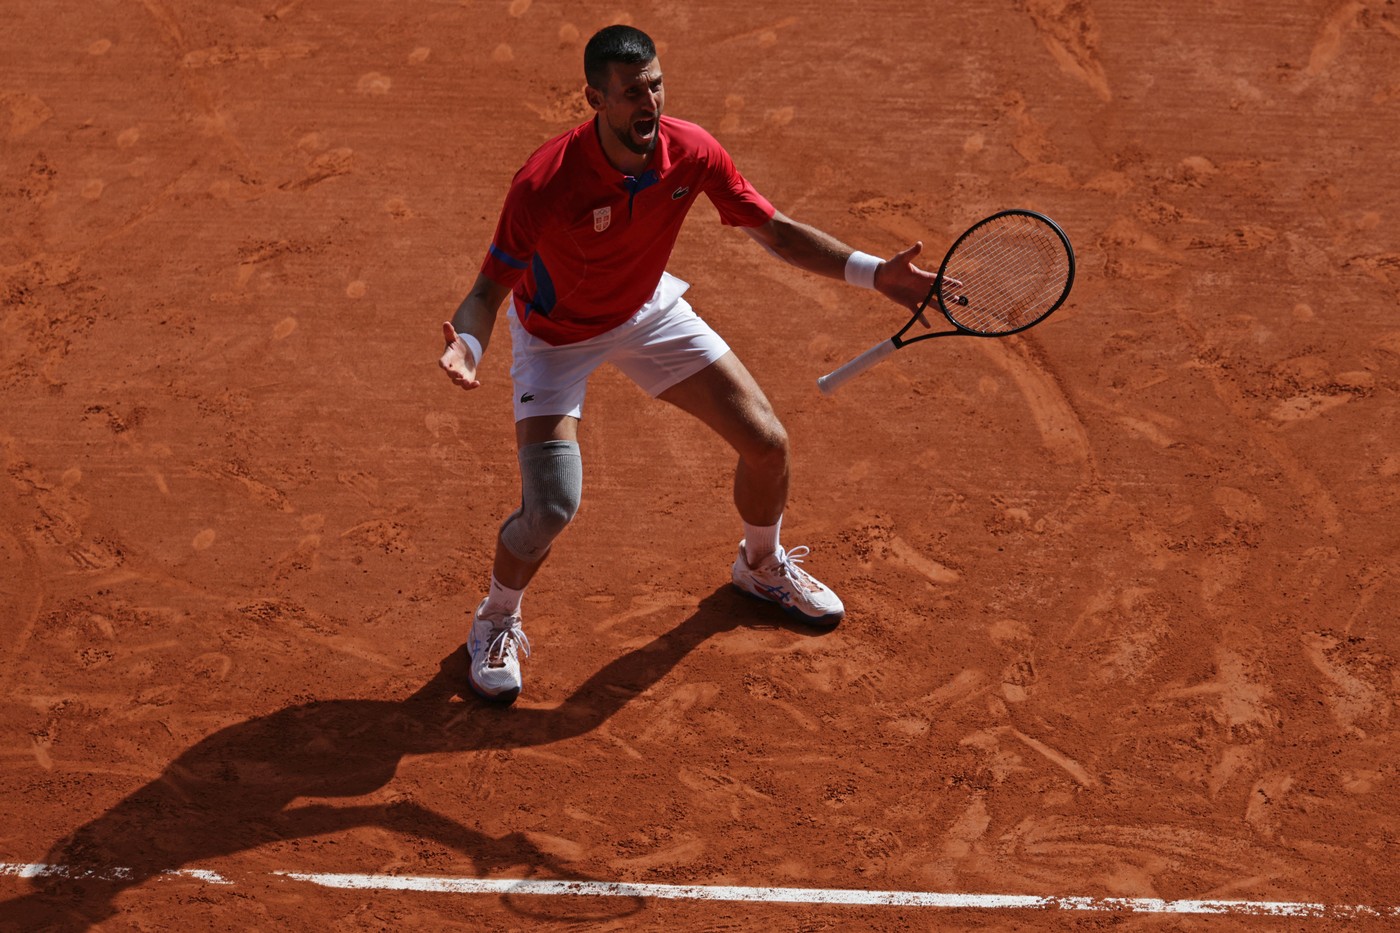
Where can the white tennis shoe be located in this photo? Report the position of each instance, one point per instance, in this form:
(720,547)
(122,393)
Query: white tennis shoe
(495,645)
(779,579)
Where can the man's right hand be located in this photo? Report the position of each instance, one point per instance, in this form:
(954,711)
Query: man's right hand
(456,359)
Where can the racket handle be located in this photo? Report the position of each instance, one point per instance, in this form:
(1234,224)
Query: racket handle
(839,376)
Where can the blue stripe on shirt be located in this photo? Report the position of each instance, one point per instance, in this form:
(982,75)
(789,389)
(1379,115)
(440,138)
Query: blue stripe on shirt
(543,301)
(508,260)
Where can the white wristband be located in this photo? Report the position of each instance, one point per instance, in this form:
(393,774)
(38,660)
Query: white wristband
(473,345)
(860,269)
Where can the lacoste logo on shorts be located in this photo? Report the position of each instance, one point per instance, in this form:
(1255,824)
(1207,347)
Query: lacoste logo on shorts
(679,193)
(527,397)
(601,218)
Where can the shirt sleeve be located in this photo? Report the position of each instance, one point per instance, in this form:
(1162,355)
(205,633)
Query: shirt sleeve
(513,245)
(738,202)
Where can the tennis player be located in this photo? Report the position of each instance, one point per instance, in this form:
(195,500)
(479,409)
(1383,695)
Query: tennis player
(580,250)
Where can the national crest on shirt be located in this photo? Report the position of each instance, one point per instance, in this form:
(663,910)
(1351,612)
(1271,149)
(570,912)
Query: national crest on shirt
(601,218)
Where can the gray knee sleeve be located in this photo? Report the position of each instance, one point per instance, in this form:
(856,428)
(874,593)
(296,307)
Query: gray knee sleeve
(551,484)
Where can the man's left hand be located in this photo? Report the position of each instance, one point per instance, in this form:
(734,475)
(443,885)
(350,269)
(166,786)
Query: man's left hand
(899,280)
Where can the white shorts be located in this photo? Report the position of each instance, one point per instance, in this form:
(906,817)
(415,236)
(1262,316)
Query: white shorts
(662,344)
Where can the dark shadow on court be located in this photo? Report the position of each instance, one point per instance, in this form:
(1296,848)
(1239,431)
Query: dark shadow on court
(231,791)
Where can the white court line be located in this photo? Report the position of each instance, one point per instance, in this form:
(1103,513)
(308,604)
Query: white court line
(696,892)
(39,870)
(1150,905)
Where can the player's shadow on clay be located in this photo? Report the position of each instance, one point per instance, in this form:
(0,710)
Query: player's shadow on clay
(234,790)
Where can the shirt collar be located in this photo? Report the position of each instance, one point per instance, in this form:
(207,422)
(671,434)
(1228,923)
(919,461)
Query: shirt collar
(660,159)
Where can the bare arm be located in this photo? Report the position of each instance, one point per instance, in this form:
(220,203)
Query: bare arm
(476,315)
(806,247)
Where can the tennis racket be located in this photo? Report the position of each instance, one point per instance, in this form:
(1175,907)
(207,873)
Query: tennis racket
(1006,273)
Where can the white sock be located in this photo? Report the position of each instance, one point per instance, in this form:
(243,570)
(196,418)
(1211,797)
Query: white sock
(501,598)
(760,541)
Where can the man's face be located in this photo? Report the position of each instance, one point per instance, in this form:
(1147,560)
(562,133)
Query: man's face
(631,104)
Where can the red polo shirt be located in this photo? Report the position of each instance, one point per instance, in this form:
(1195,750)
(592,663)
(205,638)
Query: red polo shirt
(582,246)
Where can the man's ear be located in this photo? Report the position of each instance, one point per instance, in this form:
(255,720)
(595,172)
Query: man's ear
(594,96)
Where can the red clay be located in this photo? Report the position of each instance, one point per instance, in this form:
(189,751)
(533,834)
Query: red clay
(1121,590)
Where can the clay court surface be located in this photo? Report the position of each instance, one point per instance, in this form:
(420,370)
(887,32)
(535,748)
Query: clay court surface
(1122,590)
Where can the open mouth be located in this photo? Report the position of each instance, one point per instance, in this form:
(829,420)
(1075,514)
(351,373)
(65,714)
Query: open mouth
(645,129)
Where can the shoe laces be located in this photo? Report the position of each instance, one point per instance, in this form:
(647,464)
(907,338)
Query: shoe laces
(788,561)
(506,638)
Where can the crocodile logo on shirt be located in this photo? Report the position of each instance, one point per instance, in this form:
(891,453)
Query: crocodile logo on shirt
(679,193)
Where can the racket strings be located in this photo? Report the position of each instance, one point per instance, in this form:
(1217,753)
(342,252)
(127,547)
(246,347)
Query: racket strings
(1014,278)
(1013,271)
(1010,290)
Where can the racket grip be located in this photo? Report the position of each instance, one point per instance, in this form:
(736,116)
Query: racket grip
(839,376)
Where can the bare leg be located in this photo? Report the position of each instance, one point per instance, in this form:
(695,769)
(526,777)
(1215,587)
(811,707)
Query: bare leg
(725,396)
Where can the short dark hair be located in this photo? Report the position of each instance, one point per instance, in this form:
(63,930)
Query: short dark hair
(622,44)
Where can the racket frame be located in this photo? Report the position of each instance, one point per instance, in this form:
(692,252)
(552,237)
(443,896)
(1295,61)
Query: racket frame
(854,367)
(899,340)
